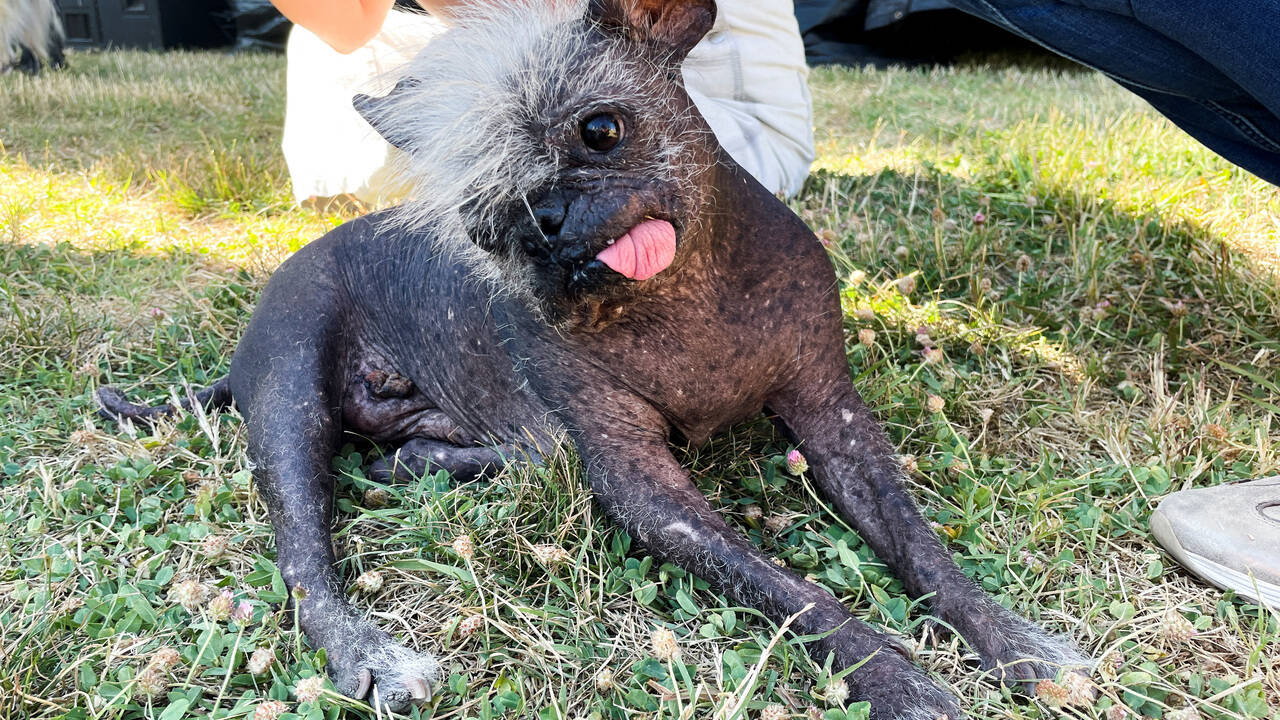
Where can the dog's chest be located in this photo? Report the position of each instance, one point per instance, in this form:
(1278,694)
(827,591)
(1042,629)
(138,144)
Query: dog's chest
(703,372)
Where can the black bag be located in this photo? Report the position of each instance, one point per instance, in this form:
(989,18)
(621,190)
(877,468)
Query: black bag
(892,32)
(259,25)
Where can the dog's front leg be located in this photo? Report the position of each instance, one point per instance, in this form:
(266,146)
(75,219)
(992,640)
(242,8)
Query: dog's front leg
(854,465)
(642,487)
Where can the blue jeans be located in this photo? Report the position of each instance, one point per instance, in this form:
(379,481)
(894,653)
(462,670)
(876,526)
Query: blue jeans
(1210,66)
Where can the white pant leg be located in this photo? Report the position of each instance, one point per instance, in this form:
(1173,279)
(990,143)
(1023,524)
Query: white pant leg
(749,79)
(328,146)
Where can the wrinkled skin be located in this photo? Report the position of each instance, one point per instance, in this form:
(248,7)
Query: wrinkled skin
(369,331)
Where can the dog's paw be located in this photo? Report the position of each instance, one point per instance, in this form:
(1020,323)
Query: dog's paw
(384,673)
(1018,653)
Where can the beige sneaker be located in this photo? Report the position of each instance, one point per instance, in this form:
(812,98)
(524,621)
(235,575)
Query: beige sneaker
(1228,535)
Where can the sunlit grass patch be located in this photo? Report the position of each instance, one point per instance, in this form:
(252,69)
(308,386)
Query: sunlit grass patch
(87,210)
(1042,133)
(203,127)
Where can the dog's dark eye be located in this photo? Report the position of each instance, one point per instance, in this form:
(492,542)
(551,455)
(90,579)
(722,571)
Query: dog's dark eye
(602,132)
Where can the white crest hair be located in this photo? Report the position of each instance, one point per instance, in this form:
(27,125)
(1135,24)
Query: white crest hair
(498,69)
(29,24)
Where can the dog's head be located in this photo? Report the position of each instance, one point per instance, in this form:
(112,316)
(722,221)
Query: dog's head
(554,146)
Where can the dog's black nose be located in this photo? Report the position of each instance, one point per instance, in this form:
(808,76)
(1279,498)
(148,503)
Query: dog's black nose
(550,217)
(549,212)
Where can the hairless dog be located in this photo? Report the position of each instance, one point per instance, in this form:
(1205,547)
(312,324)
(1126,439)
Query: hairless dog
(580,260)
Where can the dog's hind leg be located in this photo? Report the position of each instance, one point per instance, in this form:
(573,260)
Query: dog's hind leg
(421,456)
(642,487)
(287,386)
(854,465)
(291,441)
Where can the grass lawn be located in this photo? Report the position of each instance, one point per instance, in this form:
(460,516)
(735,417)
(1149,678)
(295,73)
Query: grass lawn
(1102,290)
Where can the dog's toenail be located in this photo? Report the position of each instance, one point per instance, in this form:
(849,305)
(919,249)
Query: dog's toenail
(366,680)
(420,690)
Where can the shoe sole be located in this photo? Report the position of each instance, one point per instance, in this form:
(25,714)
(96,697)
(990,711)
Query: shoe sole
(1245,585)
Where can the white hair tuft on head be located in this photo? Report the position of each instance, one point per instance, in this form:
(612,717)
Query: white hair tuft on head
(473,114)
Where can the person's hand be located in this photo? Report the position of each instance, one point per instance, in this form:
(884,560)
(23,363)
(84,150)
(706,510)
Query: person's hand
(346,25)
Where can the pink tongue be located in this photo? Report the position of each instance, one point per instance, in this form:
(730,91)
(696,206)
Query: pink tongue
(646,250)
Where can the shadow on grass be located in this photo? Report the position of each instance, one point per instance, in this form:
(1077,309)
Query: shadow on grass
(1102,281)
(78,318)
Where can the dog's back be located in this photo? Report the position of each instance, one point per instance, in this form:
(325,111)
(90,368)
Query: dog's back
(400,305)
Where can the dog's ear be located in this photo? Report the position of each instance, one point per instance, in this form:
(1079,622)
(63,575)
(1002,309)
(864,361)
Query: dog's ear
(676,25)
(377,111)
